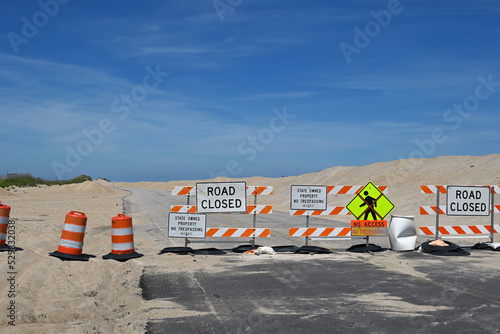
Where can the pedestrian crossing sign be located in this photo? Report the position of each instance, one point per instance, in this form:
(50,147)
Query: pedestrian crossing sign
(370,204)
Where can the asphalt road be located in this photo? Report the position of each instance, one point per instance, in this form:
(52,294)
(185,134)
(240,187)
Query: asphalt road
(341,292)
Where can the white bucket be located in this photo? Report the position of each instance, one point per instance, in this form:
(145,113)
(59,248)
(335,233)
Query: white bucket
(402,233)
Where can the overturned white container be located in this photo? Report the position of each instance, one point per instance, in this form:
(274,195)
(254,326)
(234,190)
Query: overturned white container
(402,233)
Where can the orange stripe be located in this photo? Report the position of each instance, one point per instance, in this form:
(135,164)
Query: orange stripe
(67,250)
(459,230)
(345,189)
(229,232)
(316,213)
(250,208)
(292,231)
(260,190)
(382,188)
(267,209)
(265,233)
(192,209)
(299,212)
(75,236)
(329,189)
(122,223)
(442,230)
(426,230)
(422,211)
(344,232)
(326,232)
(176,208)
(310,231)
(185,190)
(248,232)
(475,229)
(426,189)
(120,239)
(211,232)
(488,227)
(442,189)
(337,210)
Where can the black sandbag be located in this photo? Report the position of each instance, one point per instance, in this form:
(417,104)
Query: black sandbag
(244,248)
(481,245)
(283,249)
(208,251)
(312,250)
(363,248)
(450,250)
(177,250)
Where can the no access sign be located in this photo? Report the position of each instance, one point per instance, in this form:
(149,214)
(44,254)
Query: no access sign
(467,201)
(221,197)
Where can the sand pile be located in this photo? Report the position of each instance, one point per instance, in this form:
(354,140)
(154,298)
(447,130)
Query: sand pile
(88,187)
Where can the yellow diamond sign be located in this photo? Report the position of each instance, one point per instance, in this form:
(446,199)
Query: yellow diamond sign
(370,204)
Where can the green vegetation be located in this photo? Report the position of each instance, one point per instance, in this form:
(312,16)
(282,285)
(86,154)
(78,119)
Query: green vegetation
(26,180)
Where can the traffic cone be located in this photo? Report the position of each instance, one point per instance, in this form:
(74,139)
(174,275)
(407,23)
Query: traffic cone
(4,224)
(70,247)
(122,239)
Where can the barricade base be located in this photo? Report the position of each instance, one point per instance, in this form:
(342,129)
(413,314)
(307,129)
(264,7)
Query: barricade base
(6,248)
(64,256)
(122,257)
(364,248)
(177,250)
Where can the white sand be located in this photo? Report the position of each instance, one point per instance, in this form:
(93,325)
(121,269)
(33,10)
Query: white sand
(53,296)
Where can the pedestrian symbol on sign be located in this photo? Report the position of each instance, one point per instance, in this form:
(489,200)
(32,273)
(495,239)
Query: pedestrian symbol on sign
(370,201)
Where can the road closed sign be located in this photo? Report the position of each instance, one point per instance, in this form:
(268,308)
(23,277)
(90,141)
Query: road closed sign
(468,201)
(221,197)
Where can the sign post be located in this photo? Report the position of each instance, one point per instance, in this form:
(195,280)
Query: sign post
(369,202)
(309,198)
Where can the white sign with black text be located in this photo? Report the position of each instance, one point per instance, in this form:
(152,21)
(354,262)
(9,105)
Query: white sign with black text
(467,201)
(308,197)
(187,225)
(221,197)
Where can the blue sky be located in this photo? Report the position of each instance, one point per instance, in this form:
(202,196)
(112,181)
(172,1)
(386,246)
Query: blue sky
(168,90)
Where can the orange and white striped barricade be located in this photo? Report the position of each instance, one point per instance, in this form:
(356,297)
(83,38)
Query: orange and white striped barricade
(122,239)
(252,209)
(330,210)
(441,210)
(460,231)
(4,225)
(322,232)
(215,232)
(73,233)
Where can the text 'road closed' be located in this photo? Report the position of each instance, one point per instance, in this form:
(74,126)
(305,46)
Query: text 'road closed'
(221,197)
(468,201)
